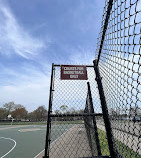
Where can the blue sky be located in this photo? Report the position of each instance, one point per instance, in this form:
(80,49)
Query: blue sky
(35,33)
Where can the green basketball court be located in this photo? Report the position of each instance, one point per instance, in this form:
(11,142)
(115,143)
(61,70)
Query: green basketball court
(26,140)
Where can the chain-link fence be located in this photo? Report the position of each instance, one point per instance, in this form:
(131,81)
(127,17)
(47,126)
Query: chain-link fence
(74,109)
(119,61)
(101,116)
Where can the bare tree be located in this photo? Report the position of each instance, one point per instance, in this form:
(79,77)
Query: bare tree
(64,108)
(134,111)
(57,112)
(9,107)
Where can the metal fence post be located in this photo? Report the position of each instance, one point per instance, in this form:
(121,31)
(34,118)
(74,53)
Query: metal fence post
(105,111)
(47,143)
(94,121)
(110,3)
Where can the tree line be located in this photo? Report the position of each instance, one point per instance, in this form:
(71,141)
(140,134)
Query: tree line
(19,112)
(64,109)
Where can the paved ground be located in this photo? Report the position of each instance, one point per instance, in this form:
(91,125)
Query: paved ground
(72,143)
(26,141)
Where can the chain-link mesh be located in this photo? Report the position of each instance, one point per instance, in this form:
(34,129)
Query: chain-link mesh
(73,93)
(90,125)
(97,139)
(69,132)
(120,69)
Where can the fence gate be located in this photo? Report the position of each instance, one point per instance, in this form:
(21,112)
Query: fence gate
(75,116)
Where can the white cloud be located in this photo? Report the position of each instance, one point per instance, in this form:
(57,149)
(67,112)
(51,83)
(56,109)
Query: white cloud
(24,85)
(81,56)
(14,38)
(30,90)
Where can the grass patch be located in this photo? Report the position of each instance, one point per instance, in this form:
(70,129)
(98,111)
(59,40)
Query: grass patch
(122,148)
(126,151)
(103,143)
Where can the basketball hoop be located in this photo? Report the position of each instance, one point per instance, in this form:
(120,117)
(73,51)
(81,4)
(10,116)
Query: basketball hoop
(9,116)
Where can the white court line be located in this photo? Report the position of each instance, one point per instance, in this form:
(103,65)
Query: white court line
(52,143)
(15,126)
(39,153)
(11,149)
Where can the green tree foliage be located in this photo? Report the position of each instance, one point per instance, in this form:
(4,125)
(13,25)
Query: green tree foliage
(31,116)
(39,114)
(3,113)
(19,113)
